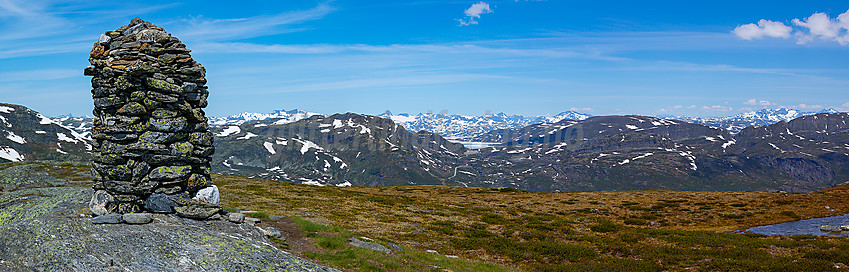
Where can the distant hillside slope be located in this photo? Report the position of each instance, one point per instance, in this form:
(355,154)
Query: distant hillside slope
(807,153)
(28,135)
(341,150)
(637,152)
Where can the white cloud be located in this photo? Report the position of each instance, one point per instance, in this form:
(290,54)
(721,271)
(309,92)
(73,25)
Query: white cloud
(476,10)
(581,109)
(755,102)
(473,12)
(818,26)
(763,28)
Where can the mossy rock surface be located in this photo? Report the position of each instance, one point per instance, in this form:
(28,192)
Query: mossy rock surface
(47,229)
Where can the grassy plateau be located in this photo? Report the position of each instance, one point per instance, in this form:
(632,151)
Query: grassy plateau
(511,230)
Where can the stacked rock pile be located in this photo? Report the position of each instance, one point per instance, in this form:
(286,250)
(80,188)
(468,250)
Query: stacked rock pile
(150,132)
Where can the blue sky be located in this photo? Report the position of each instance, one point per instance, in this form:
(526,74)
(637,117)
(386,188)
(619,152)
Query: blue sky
(711,58)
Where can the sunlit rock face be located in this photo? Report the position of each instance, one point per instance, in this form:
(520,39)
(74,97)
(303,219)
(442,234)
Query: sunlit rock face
(150,134)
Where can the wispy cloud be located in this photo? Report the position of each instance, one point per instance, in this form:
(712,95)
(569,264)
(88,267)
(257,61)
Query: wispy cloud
(818,26)
(38,27)
(42,74)
(474,12)
(202,29)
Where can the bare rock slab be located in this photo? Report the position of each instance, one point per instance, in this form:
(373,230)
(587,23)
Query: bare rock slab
(112,218)
(368,245)
(46,233)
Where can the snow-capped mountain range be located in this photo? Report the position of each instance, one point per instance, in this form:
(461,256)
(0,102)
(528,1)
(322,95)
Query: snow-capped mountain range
(461,127)
(283,117)
(468,128)
(758,118)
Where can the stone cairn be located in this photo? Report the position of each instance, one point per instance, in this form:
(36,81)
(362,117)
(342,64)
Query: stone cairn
(151,137)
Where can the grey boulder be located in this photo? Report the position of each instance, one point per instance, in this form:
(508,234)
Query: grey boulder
(237,218)
(138,218)
(209,195)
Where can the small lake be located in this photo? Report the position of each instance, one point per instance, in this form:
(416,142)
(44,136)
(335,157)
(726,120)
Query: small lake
(806,226)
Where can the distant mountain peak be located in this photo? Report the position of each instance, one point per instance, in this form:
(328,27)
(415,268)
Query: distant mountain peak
(760,117)
(244,117)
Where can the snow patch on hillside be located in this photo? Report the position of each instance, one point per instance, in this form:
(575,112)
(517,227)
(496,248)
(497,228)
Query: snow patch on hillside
(11,154)
(15,138)
(229,131)
(270,147)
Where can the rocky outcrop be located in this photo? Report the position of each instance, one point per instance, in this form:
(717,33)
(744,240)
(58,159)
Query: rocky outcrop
(150,133)
(47,229)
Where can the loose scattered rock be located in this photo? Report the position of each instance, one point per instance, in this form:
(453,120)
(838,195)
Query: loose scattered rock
(271,232)
(252,221)
(112,218)
(194,209)
(196,212)
(102,203)
(159,203)
(208,195)
(137,218)
(368,245)
(151,134)
(237,218)
(394,246)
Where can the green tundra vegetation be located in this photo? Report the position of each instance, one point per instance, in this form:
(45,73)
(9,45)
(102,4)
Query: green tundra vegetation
(533,231)
(435,228)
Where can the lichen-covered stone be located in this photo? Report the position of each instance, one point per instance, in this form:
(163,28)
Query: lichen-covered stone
(157,137)
(170,172)
(201,138)
(151,134)
(168,125)
(198,181)
(132,108)
(195,212)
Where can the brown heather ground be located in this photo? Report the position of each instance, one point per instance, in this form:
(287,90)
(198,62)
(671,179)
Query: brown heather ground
(628,230)
(508,230)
